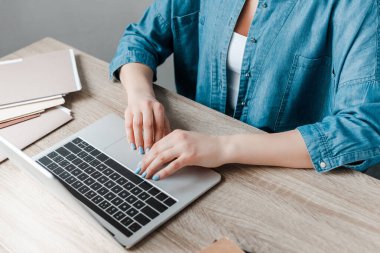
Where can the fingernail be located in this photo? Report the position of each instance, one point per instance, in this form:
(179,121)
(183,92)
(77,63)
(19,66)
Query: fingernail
(141,150)
(147,150)
(156,177)
(143,174)
(137,171)
(133,146)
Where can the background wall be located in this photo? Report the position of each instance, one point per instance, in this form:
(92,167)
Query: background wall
(93,26)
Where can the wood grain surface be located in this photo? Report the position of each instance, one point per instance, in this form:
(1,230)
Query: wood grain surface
(262,209)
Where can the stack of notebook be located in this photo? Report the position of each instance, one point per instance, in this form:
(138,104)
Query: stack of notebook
(32,95)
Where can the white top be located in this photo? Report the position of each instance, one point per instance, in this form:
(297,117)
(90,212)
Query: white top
(234,63)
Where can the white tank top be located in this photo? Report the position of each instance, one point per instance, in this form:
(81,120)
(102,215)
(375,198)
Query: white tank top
(234,63)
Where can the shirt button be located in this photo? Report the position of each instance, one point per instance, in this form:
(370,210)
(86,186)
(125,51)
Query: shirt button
(323,165)
(253,40)
(243,103)
(248,75)
(265,5)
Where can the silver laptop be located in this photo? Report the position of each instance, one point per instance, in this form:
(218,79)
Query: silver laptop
(96,166)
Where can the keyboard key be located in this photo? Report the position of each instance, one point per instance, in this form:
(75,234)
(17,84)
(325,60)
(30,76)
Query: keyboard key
(136,191)
(76,140)
(70,180)
(94,163)
(142,219)
(131,199)
(72,148)
(102,157)
(76,172)
(154,191)
(138,204)
(63,152)
(70,167)
(89,170)
(95,152)
(115,176)
(58,171)
(89,158)
(64,163)
(123,194)
(71,157)
(64,175)
(97,199)
(117,201)
(109,184)
(145,186)
(149,212)
(77,184)
(45,161)
(89,149)
(121,181)
(52,166)
(89,181)
(119,215)
(101,167)
(102,179)
(156,204)
(82,145)
(105,204)
(111,210)
(124,171)
(83,176)
(58,159)
(103,191)
(52,155)
(82,154)
(107,172)
(96,186)
(96,174)
(83,166)
(116,189)
(131,212)
(109,196)
(83,189)
(124,207)
(170,202)
(162,196)
(143,196)
(129,186)
(127,221)
(77,161)
(90,194)
(134,227)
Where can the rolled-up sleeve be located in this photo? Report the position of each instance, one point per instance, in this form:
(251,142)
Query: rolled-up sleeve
(350,137)
(148,42)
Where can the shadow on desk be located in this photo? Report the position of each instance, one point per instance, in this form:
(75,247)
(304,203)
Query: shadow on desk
(374,171)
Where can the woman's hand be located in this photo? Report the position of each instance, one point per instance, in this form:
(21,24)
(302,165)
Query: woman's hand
(145,121)
(179,149)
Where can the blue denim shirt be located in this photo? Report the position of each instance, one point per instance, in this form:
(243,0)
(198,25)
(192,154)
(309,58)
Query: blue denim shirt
(308,65)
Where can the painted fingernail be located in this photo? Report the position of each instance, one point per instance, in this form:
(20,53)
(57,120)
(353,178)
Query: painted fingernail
(141,150)
(156,177)
(137,171)
(143,174)
(147,150)
(133,146)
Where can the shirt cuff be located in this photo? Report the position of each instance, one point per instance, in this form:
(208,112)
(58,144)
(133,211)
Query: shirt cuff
(131,57)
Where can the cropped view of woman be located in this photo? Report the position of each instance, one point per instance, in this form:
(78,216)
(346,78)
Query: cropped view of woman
(306,72)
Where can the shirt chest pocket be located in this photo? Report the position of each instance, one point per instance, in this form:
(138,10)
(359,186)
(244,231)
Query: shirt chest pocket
(185,31)
(308,93)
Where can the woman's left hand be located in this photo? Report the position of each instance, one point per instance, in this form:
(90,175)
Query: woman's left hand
(179,149)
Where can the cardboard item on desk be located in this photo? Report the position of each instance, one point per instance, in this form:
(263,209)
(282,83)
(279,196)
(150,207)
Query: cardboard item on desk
(38,76)
(27,132)
(29,102)
(15,112)
(18,120)
(223,245)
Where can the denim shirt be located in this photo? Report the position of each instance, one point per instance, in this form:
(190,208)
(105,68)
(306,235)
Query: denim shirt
(308,65)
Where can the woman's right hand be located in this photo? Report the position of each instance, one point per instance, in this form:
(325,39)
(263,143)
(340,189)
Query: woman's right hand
(145,121)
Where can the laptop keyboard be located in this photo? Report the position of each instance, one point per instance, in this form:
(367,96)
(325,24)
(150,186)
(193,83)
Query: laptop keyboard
(122,198)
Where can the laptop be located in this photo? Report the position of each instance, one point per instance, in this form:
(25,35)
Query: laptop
(95,166)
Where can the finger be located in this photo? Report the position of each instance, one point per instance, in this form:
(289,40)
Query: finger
(129,129)
(170,169)
(159,161)
(137,130)
(148,129)
(167,127)
(159,119)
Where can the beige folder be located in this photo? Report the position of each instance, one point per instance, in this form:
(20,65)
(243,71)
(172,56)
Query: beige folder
(38,76)
(27,132)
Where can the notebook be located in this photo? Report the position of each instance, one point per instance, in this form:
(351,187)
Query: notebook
(38,76)
(27,132)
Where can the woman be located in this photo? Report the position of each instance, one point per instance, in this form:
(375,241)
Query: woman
(307,72)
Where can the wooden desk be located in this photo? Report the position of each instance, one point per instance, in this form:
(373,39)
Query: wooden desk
(262,209)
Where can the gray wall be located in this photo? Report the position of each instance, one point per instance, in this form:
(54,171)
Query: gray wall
(93,26)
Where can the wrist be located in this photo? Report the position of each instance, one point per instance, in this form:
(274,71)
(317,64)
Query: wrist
(226,149)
